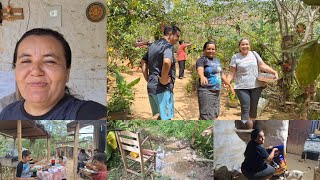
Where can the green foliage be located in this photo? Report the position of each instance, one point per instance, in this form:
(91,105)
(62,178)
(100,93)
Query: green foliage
(123,96)
(309,67)
(126,21)
(5,145)
(193,82)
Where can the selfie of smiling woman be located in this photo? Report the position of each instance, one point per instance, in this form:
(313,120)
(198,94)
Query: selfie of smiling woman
(56,70)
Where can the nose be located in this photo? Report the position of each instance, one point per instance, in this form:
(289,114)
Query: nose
(37,69)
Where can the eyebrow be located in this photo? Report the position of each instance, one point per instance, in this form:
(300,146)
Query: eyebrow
(46,55)
(23,55)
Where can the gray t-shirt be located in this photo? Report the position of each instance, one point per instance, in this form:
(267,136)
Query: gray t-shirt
(246,70)
(157,51)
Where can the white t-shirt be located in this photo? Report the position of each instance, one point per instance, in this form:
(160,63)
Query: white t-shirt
(246,70)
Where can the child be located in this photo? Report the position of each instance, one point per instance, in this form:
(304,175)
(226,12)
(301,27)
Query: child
(23,168)
(100,164)
(60,161)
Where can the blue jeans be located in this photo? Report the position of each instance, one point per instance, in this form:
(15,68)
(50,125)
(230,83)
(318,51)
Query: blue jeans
(249,99)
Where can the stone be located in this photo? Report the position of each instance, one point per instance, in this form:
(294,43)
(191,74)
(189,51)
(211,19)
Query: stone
(222,174)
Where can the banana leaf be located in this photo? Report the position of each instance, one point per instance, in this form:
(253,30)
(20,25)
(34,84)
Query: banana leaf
(312,2)
(109,152)
(308,68)
(299,47)
(134,82)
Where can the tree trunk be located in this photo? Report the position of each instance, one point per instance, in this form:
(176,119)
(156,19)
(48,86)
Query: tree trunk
(288,65)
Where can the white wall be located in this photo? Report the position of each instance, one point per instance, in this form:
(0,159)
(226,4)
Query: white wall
(86,39)
(228,147)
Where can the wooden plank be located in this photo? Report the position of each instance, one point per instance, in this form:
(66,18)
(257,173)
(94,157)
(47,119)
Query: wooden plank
(129,134)
(134,172)
(129,141)
(138,159)
(130,148)
(123,156)
(48,149)
(19,136)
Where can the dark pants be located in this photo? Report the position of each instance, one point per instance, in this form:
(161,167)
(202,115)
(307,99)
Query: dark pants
(249,99)
(209,104)
(182,65)
(260,174)
(80,165)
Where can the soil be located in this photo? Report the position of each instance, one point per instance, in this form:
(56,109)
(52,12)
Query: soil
(69,169)
(186,104)
(295,162)
(172,162)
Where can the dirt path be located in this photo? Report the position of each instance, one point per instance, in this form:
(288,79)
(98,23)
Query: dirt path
(294,162)
(186,105)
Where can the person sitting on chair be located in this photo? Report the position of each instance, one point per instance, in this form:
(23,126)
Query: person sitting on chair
(23,167)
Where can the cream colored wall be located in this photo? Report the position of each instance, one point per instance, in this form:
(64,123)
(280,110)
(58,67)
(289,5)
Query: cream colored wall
(86,39)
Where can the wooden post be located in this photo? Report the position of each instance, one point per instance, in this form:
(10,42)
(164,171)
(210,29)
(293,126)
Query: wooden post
(75,149)
(19,136)
(48,149)
(96,132)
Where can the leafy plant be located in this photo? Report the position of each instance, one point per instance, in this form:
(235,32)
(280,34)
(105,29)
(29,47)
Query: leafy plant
(193,82)
(123,96)
(232,96)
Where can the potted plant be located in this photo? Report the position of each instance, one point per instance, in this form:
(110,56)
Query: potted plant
(121,99)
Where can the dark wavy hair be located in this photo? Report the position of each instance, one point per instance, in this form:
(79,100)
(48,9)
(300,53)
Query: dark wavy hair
(26,153)
(254,134)
(173,29)
(207,43)
(101,157)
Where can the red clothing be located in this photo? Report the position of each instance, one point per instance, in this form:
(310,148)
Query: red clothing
(101,175)
(182,55)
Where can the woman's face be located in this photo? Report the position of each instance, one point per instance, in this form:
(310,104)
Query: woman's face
(41,70)
(244,46)
(210,50)
(260,138)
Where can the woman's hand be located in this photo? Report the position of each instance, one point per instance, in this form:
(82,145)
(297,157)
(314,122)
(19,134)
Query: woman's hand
(203,81)
(230,88)
(276,75)
(269,147)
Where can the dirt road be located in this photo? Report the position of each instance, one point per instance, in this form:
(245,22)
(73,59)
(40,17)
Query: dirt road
(186,105)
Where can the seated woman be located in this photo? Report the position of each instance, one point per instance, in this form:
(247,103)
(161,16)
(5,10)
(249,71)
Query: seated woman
(42,64)
(255,165)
